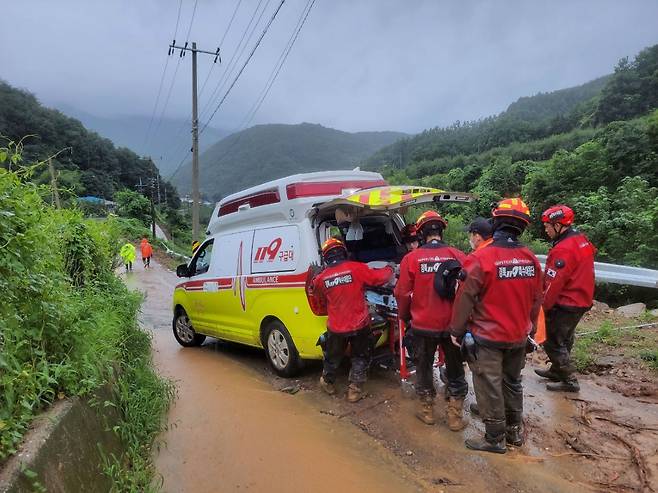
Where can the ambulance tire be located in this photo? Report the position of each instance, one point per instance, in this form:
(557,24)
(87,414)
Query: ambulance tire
(184,332)
(280,350)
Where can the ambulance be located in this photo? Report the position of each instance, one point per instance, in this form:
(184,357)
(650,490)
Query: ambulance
(246,282)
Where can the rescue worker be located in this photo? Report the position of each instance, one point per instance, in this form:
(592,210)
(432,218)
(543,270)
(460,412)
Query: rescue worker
(341,285)
(496,307)
(479,233)
(429,314)
(568,294)
(409,236)
(127,253)
(146,251)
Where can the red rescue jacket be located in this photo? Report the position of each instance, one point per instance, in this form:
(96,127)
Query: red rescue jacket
(500,298)
(343,286)
(414,292)
(569,274)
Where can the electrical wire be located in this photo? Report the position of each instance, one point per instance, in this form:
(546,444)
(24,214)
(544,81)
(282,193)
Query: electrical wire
(173,79)
(176,148)
(244,65)
(162,78)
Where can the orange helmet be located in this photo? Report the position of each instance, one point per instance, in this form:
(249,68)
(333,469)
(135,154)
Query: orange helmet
(430,220)
(515,208)
(332,244)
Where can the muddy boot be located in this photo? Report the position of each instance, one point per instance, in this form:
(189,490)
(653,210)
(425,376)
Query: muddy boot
(328,387)
(455,414)
(473,407)
(514,435)
(354,392)
(492,441)
(548,373)
(425,410)
(564,386)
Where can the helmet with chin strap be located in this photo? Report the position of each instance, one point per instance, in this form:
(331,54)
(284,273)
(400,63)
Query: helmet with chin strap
(429,222)
(558,214)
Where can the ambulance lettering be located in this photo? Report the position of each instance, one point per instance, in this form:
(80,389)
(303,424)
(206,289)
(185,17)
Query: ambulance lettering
(269,251)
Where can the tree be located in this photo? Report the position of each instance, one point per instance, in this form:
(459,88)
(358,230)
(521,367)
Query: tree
(133,204)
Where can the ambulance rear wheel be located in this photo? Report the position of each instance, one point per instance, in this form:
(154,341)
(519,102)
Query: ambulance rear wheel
(281,351)
(184,332)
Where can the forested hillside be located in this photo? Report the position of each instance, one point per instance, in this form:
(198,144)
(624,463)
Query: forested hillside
(168,139)
(92,165)
(266,152)
(594,147)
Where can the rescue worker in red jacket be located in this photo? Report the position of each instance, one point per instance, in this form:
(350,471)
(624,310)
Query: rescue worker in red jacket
(497,306)
(479,233)
(429,315)
(410,237)
(342,286)
(568,294)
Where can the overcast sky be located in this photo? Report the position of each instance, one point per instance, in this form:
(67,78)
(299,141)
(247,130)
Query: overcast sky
(357,65)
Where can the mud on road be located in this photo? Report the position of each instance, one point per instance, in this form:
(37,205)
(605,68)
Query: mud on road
(236,426)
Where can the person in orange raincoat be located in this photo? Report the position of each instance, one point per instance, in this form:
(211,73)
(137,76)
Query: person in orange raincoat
(147,252)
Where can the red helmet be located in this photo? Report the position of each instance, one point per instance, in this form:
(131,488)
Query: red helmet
(332,244)
(431,219)
(512,208)
(558,214)
(409,233)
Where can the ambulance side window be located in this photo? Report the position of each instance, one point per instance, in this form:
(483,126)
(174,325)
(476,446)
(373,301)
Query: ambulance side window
(202,259)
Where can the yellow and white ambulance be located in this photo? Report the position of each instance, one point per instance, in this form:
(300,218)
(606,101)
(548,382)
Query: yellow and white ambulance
(245,283)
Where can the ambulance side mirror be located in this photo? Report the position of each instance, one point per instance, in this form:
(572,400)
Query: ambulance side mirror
(182,271)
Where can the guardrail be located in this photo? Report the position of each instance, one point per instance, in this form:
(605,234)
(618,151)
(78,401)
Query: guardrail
(621,274)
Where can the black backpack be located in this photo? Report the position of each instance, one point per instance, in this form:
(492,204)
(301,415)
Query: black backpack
(445,278)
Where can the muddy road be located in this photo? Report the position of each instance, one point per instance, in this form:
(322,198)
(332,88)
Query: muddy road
(235,426)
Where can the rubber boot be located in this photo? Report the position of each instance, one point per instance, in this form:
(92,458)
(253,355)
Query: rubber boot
(514,435)
(564,386)
(548,373)
(455,414)
(425,410)
(354,392)
(473,407)
(328,387)
(492,441)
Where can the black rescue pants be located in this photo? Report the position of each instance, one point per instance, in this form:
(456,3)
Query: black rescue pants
(560,335)
(425,346)
(498,388)
(360,342)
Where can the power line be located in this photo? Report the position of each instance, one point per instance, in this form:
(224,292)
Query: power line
(176,147)
(162,78)
(282,60)
(233,60)
(235,80)
(180,57)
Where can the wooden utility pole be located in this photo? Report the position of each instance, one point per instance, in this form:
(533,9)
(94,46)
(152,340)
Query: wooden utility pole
(195,130)
(53,183)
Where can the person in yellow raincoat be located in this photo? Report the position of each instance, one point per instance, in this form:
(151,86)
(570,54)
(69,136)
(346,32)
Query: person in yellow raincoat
(128,255)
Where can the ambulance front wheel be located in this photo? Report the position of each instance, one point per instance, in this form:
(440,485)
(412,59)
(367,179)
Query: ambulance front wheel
(184,332)
(280,350)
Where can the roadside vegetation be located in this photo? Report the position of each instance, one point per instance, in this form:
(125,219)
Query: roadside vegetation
(68,325)
(594,147)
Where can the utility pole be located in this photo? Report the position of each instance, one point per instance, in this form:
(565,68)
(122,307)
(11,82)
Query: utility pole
(195,129)
(53,183)
(152,186)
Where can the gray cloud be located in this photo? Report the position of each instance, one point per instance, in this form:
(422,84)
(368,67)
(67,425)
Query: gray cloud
(358,65)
